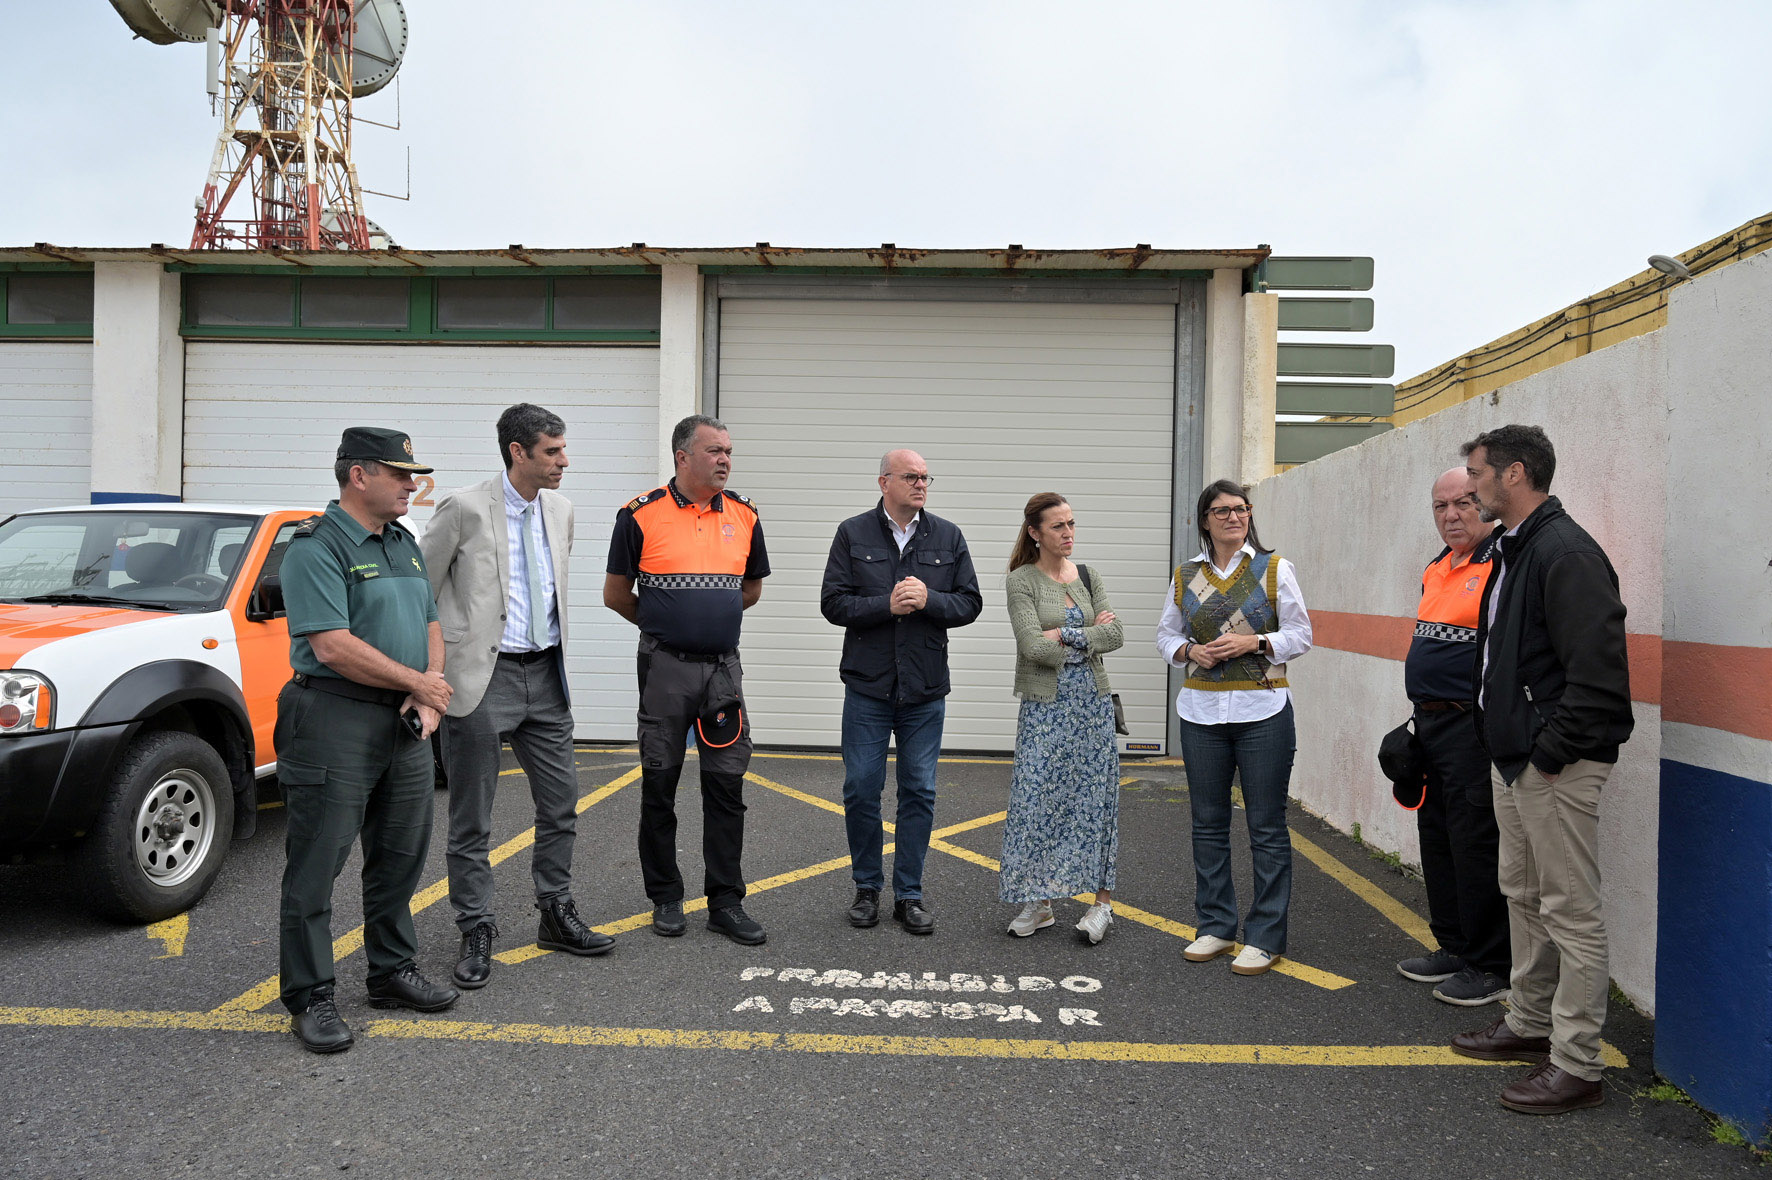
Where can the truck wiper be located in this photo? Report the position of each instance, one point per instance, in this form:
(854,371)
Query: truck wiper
(66,599)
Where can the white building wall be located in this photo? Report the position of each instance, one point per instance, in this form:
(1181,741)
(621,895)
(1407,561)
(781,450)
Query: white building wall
(1358,526)
(138,377)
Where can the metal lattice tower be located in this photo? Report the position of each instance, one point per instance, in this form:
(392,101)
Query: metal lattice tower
(282,164)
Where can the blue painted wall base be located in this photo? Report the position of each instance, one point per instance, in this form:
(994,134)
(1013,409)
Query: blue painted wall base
(1713,953)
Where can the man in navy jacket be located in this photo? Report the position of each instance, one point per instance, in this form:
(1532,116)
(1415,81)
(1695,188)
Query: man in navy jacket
(898,578)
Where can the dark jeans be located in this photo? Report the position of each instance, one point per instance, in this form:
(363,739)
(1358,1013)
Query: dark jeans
(672,692)
(1260,752)
(868,723)
(1460,842)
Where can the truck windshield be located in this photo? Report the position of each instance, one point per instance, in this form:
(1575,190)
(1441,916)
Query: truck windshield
(127,556)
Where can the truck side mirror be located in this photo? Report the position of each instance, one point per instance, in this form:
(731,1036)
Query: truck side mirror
(266,602)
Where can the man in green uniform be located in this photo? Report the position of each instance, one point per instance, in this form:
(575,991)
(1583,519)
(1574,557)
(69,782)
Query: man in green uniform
(352,738)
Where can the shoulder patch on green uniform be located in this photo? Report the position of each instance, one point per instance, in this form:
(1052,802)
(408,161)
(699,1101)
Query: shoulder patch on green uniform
(306,527)
(648,498)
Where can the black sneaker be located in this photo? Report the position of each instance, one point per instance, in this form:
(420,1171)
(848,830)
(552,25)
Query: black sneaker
(734,923)
(668,920)
(563,930)
(320,1028)
(865,911)
(474,967)
(407,988)
(1434,968)
(1471,988)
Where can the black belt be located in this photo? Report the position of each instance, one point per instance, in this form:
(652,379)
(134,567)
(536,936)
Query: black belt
(1443,706)
(529,657)
(340,687)
(694,657)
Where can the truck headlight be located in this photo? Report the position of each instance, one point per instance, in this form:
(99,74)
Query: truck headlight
(26,702)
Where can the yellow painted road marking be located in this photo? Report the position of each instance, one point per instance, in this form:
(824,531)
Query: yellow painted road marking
(669,1038)
(171,935)
(262,993)
(1404,918)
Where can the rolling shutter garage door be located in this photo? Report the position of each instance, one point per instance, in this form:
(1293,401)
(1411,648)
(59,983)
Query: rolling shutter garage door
(1002,400)
(262,423)
(46,402)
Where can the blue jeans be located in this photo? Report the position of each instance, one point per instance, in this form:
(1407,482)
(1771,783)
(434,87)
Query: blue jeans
(867,725)
(1261,752)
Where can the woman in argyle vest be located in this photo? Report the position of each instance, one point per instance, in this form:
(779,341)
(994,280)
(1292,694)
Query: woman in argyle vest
(1233,619)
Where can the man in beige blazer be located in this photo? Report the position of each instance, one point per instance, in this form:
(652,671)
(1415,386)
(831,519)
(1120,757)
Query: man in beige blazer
(497,555)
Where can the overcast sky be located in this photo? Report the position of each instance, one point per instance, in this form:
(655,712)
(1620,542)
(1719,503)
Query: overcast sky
(1499,159)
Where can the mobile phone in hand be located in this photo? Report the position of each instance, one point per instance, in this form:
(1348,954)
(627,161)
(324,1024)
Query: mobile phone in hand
(415,724)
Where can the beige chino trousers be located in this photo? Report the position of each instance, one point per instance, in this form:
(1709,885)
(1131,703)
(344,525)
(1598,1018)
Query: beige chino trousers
(1549,870)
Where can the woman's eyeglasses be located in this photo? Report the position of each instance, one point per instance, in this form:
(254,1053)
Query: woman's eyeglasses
(1229,510)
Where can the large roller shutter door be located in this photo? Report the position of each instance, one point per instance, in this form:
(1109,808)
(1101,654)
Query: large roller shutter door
(1003,400)
(262,423)
(46,402)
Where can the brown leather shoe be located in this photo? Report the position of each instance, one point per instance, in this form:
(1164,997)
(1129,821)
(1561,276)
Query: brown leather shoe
(1550,1089)
(1498,1042)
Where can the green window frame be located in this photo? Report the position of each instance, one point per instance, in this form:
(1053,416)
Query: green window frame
(12,331)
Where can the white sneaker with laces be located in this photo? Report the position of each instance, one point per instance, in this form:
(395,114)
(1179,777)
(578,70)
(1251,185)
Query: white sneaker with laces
(1035,915)
(1094,924)
(1207,947)
(1253,961)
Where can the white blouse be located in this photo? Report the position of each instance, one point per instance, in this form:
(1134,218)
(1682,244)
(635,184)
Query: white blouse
(1292,640)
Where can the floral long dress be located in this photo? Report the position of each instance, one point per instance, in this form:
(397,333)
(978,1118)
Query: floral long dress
(1063,831)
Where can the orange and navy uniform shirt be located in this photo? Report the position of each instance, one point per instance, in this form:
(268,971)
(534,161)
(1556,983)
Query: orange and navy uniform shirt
(1441,665)
(689,565)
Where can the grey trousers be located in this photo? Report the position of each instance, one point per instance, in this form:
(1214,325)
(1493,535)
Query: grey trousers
(1550,873)
(525,703)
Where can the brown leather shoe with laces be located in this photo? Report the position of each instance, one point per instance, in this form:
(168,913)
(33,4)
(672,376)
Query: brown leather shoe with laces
(1498,1042)
(1551,1089)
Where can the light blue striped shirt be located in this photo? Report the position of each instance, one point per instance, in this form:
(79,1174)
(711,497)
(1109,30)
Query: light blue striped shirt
(517,606)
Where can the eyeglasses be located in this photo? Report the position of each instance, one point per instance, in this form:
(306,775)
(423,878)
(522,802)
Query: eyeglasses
(914,480)
(1229,510)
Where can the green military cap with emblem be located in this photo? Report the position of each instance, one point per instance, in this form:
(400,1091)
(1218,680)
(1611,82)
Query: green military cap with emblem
(390,447)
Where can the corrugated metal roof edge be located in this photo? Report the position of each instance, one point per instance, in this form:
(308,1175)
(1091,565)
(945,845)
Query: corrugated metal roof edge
(884,258)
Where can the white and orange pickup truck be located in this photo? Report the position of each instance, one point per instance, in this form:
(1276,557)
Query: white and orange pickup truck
(142,647)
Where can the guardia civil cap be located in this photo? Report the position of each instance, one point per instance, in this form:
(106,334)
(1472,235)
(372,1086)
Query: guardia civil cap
(392,447)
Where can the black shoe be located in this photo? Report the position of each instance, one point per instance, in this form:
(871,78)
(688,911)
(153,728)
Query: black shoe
(474,967)
(1432,968)
(866,910)
(913,915)
(1471,988)
(668,919)
(563,930)
(406,988)
(734,923)
(321,1029)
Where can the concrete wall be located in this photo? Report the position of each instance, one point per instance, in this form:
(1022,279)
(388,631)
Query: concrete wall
(138,383)
(1358,526)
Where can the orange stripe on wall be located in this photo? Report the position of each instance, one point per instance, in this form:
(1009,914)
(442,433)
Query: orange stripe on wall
(1387,637)
(1719,687)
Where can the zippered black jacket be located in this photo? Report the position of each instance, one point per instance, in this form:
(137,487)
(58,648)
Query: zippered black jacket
(1557,686)
(898,658)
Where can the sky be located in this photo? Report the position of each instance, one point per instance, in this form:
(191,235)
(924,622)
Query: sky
(1498,159)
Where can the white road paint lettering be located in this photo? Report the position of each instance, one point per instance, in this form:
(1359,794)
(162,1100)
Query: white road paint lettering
(902,981)
(1081,984)
(898,1009)
(1079,1016)
(755,1004)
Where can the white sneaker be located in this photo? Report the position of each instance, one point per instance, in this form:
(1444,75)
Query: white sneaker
(1207,947)
(1035,915)
(1253,961)
(1094,924)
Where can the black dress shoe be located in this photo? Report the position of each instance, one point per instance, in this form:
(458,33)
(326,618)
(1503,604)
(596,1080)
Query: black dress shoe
(563,930)
(668,920)
(321,1029)
(913,915)
(866,910)
(406,988)
(734,923)
(474,967)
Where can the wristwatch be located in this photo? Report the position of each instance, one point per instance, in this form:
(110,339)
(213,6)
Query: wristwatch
(1262,646)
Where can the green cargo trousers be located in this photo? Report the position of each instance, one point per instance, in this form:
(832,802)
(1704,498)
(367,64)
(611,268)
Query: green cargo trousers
(348,768)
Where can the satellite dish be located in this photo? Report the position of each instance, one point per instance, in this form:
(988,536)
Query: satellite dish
(378,46)
(167,22)
(379,238)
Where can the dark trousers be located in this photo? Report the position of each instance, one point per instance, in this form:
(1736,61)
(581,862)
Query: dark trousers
(348,769)
(1459,843)
(525,702)
(672,695)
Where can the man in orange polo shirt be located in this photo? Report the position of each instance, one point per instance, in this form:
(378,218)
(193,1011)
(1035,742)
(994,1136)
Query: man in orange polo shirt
(685,562)
(1456,821)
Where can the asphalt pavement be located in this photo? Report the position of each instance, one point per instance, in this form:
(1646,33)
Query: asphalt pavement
(827,1052)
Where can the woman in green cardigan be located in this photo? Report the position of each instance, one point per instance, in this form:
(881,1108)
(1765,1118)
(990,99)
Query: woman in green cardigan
(1062,833)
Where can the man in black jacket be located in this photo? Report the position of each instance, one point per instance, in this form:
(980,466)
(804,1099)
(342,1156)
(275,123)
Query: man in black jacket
(898,577)
(1553,706)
